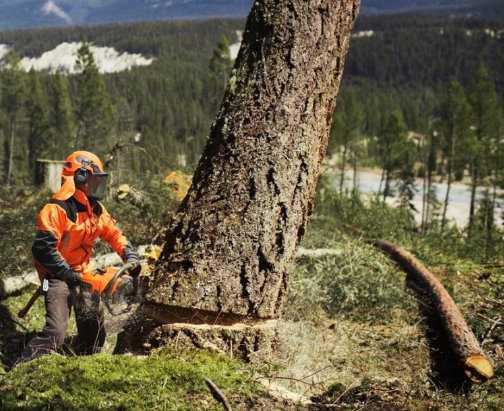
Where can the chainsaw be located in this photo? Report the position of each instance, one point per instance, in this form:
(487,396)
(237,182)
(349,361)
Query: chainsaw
(113,285)
(121,289)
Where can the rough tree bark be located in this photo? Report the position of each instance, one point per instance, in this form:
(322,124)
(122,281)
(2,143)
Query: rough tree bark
(230,248)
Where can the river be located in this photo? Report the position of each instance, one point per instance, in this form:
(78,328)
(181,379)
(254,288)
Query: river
(458,209)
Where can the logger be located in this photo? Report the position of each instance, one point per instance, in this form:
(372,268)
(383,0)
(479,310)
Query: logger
(67,228)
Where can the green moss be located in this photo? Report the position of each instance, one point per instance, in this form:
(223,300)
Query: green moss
(105,382)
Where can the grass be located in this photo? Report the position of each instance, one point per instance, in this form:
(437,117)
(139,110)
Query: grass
(352,335)
(373,333)
(105,382)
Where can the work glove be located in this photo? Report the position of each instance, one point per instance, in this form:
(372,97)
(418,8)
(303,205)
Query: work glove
(132,259)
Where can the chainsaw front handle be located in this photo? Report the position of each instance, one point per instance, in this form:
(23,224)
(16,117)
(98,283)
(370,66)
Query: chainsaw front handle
(122,271)
(107,295)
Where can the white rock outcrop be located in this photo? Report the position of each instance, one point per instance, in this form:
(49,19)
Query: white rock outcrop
(4,50)
(63,59)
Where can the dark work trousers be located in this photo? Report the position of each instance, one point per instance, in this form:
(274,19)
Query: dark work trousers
(59,300)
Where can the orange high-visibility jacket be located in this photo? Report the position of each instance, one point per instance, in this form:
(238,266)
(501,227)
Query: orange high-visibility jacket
(66,233)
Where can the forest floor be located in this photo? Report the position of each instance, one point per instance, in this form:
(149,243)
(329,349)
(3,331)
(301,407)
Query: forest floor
(353,337)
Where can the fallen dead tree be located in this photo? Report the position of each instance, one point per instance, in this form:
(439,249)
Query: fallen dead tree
(15,284)
(462,340)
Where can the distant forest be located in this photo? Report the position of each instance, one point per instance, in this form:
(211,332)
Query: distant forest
(172,103)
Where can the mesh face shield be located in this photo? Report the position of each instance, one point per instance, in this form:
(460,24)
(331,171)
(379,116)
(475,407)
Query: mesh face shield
(97,185)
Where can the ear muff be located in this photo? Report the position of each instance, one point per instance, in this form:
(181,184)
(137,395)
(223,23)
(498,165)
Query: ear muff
(81,176)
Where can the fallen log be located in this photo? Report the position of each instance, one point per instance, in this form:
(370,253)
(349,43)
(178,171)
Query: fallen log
(318,253)
(462,340)
(15,284)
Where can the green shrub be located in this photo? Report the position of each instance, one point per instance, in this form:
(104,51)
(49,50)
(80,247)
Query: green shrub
(360,282)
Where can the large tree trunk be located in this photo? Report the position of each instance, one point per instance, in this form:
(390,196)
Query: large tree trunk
(230,248)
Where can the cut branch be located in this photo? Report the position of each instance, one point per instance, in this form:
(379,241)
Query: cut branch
(462,340)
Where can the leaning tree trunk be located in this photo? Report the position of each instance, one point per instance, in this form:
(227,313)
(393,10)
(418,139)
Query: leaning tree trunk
(230,248)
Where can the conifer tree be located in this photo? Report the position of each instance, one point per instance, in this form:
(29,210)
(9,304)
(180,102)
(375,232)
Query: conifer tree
(62,119)
(484,161)
(12,96)
(407,155)
(221,62)
(347,131)
(95,113)
(430,156)
(38,122)
(220,66)
(455,124)
(390,147)
(254,187)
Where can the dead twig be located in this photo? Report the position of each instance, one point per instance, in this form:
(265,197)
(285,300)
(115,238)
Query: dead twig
(337,400)
(493,301)
(317,372)
(218,394)
(495,323)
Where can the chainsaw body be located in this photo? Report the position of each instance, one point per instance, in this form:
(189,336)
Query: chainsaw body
(114,286)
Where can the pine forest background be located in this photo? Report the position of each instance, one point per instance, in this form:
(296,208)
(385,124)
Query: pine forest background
(421,98)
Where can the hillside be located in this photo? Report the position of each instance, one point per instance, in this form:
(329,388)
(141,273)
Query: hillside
(36,13)
(394,58)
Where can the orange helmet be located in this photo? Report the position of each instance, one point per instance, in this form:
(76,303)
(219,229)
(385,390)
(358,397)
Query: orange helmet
(82,170)
(82,159)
